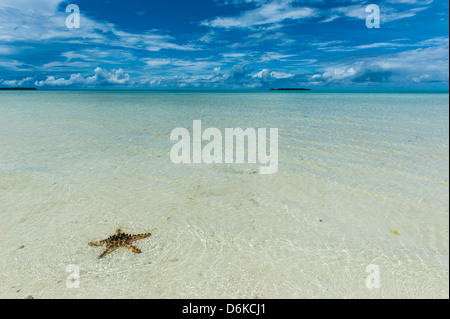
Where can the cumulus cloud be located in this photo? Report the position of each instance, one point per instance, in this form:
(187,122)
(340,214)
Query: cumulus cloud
(267,75)
(100,78)
(17,83)
(245,75)
(240,76)
(427,65)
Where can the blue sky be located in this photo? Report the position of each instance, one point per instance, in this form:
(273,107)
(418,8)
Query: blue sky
(224,44)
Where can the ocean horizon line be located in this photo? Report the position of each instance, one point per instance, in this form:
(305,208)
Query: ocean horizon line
(277,91)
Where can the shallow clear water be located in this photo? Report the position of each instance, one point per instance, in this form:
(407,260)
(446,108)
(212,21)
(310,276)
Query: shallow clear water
(355,169)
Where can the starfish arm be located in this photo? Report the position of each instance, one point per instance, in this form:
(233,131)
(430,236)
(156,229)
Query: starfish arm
(134,249)
(137,237)
(108,251)
(99,243)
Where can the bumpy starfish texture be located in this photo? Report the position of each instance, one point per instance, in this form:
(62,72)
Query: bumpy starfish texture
(119,239)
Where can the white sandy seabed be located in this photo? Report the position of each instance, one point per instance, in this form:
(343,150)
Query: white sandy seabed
(361,187)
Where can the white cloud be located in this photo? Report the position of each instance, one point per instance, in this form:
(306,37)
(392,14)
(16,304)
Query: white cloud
(215,77)
(178,65)
(387,13)
(274,56)
(270,13)
(7,50)
(42,7)
(338,46)
(16,83)
(428,65)
(120,78)
(157,62)
(239,2)
(234,55)
(379,45)
(13,65)
(267,74)
(100,77)
(416,2)
(39,21)
(274,12)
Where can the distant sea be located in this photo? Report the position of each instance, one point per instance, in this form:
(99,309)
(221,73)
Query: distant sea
(359,207)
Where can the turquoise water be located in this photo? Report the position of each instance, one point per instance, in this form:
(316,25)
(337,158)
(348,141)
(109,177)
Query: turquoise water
(355,169)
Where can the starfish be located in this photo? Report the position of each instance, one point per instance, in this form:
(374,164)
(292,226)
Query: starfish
(119,239)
